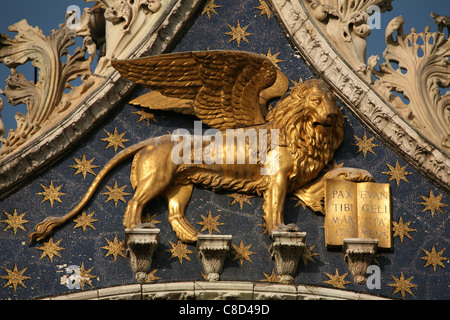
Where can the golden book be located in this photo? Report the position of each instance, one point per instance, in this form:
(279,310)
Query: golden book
(357,210)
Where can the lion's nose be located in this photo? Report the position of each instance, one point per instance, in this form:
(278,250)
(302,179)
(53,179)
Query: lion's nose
(332,118)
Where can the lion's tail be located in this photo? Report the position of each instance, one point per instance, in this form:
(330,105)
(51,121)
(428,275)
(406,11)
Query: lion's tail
(45,228)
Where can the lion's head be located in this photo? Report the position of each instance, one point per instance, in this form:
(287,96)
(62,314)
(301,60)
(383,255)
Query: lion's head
(311,126)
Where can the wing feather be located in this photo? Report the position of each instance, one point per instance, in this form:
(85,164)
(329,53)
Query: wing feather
(156,101)
(222,86)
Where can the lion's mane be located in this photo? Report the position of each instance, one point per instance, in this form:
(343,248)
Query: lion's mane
(310,148)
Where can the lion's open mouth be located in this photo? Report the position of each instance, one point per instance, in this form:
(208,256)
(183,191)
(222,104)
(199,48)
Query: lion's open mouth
(323,124)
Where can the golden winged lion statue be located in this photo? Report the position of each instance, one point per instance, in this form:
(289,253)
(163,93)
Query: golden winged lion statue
(227,90)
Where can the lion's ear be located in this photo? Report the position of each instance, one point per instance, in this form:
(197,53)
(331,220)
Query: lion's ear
(300,91)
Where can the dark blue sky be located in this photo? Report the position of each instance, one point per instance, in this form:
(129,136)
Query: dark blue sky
(48,14)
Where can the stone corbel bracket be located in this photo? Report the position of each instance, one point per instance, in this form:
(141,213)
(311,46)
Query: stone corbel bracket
(375,112)
(142,243)
(212,252)
(359,253)
(286,250)
(50,145)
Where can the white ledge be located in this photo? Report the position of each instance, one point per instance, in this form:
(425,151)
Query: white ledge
(222,290)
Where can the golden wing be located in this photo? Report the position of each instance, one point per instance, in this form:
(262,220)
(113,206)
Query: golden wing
(222,88)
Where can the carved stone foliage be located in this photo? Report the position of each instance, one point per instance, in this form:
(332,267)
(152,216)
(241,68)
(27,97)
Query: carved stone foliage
(441,21)
(48,97)
(360,96)
(58,112)
(417,67)
(345,23)
(126,23)
(127,11)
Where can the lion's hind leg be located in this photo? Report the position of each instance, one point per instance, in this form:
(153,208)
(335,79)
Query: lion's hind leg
(152,172)
(178,197)
(153,184)
(145,191)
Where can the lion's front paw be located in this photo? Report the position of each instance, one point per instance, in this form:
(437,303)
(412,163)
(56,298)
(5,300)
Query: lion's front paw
(291,227)
(350,174)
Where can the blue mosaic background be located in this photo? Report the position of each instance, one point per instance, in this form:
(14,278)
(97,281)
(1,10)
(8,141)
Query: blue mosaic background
(86,247)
